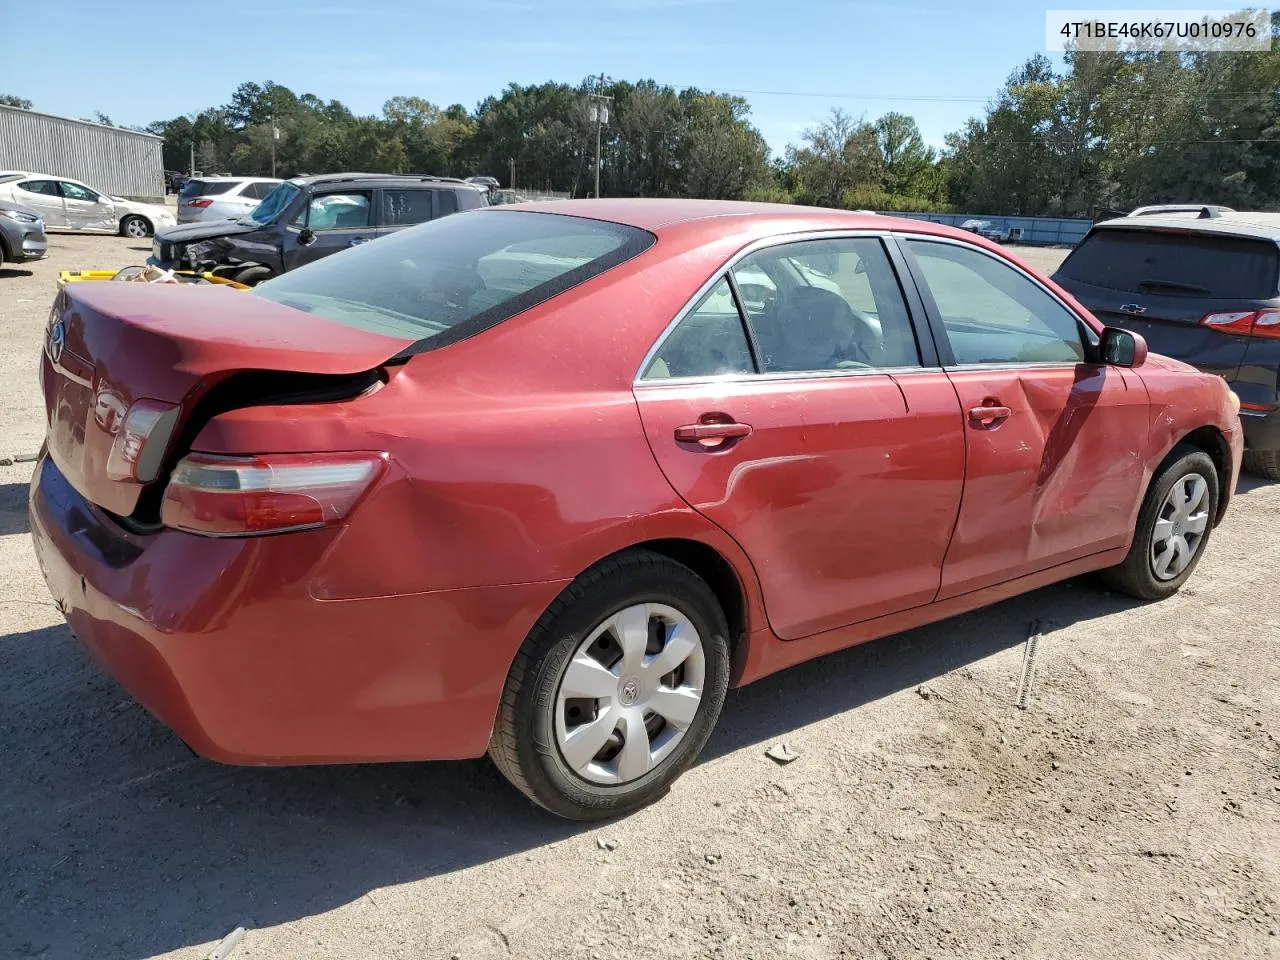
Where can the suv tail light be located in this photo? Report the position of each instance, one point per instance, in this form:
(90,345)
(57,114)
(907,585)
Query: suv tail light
(140,437)
(1258,323)
(243,496)
(202,203)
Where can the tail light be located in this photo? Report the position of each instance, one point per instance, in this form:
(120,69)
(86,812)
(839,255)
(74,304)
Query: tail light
(201,204)
(243,496)
(141,436)
(1258,323)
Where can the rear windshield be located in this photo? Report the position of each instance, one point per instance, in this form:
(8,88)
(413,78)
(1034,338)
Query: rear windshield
(1176,264)
(207,188)
(445,280)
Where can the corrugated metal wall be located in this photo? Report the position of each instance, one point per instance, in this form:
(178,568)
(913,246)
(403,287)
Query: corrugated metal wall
(116,161)
(1064,231)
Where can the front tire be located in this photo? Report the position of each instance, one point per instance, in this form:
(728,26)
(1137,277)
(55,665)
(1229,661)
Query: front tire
(252,276)
(135,227)
(616,689)
(1173,528)
(1265,463)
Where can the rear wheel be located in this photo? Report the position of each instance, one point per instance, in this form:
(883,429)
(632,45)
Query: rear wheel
(135,226)
(1265,463)
(1173,527)
(615,690)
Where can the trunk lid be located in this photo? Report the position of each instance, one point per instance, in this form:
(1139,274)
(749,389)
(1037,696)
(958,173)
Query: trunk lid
(112,344)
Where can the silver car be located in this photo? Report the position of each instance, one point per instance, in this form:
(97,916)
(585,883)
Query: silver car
(21,234)
(222,198)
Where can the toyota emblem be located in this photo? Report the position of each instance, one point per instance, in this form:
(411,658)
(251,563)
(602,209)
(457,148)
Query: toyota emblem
(57,340)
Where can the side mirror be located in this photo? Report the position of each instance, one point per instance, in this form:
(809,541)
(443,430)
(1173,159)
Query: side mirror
(306,237)
(1122,348)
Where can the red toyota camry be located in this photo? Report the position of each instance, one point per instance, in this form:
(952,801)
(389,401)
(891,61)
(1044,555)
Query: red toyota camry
(544,481)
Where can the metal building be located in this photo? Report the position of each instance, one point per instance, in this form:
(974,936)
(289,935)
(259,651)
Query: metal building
(120,162)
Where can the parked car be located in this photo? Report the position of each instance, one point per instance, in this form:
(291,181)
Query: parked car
(991,230)
(174,181)
(489,185)
(21,234)
(540,482)
(307,218)
(67,204)
(1204,290)
(222,198)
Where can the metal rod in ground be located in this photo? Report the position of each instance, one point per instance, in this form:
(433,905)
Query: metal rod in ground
(1029,656)
(227,944)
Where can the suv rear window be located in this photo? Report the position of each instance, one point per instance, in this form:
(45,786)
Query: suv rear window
(1205,265)
(447,279)
(207,188)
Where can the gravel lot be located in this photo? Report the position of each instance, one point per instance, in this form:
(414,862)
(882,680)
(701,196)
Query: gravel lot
(1135,804)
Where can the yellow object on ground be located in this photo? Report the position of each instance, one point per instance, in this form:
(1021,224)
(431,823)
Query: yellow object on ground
(128,274)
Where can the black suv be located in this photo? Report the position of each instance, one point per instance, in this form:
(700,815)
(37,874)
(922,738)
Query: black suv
(1204,289)
(307,218)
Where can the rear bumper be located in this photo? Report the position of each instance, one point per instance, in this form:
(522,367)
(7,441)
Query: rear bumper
(1261,430)
(222,641)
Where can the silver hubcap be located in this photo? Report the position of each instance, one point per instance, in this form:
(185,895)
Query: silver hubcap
(629,693)
(136,228)
(1180,527)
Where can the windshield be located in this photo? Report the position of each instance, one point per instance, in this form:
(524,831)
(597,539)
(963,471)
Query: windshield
(447,279)
(275,203)
(1162,263)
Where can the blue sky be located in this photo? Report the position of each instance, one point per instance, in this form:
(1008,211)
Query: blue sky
(792,60)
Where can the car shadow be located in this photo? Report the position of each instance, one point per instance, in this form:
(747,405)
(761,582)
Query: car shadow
(121,843)
(12,272)
(146,249)
(1251,481)
(13,508)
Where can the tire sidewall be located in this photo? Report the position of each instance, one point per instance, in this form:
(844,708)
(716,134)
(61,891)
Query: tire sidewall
(134,218)
(555,783)
(1191,462)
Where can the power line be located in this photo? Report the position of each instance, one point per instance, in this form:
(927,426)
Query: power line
(934,98)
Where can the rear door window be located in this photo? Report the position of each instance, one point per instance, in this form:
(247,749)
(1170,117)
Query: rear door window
(401,208)
(1176,264)
(448,202)
(47,187)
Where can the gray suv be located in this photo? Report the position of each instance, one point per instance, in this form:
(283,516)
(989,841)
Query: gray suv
(22,235)
(1204,290)
(307,218)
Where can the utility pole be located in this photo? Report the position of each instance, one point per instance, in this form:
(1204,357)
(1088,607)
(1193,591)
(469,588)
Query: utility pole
(193,154)
(512,161)
(275,132)
(599,112)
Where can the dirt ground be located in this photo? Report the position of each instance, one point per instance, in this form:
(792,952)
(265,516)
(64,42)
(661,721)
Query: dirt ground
(1132,810)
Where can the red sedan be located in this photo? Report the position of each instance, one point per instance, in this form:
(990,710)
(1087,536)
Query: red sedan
(544,481)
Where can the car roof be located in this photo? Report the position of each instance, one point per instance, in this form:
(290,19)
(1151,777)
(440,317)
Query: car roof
(1242,223)
(374,179)
(236,179)
(664,215)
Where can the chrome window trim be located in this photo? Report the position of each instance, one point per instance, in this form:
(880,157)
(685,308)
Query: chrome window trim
(766,243)
(783,375)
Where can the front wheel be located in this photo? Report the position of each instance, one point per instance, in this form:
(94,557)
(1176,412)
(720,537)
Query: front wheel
(615,690)
(135,227)
(1173,527)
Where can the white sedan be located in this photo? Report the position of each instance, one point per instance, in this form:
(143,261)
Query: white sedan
(68,204)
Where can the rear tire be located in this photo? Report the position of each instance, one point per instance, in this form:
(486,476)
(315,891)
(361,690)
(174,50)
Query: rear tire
(1149,572)
(665,611)
(135,227)
(1265,463)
